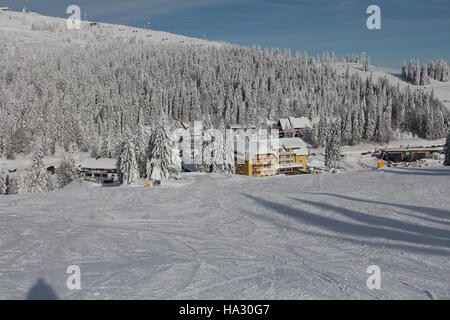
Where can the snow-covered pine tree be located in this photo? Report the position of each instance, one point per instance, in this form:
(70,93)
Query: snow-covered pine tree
(414,72)
(105,149)
(400,115)
(160,148)
(446,72)
(371,119)
(67,171)
(346,125)
(14,183)
(442,70)
(333,147)
(322,131)
(355,133)
(447,150)
(37,179)
(347,71)
(361,122)
(416,79)
(424,75)
(431,70)
(362,60)
(141,149)
(315,136)
(3,186)
(404,72)
(128,169)
(410,71)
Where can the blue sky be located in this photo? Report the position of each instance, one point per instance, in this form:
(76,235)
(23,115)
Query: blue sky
(409,28)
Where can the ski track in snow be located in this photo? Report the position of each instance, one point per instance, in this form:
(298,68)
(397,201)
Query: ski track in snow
(235,237)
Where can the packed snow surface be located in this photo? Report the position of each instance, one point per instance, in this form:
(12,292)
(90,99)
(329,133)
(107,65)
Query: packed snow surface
(235,237)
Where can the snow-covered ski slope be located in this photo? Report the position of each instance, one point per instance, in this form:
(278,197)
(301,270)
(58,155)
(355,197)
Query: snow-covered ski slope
(394,76)
(217,236)
(30,30)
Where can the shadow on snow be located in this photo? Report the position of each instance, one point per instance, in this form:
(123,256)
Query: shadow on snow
(367,228)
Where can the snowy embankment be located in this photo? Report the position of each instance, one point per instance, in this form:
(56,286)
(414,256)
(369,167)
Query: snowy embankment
(215,236)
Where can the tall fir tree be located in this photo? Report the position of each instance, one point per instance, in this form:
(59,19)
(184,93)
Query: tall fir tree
(67,171)
(404,72)
(141,149)
(333,147)
(160,148)
(3,186)
(128,169)
(14,183)
(424,75)
(37,179)
(447,150)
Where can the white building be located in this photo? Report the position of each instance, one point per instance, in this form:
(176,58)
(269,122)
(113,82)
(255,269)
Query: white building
(98,169)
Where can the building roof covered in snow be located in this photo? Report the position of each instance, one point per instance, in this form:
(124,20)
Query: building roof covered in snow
(100,163)
(285,124)
(299,123)
(297,145)
(245,149)
(293,123)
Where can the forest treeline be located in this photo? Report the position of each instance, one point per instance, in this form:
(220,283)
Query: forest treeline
(91,96)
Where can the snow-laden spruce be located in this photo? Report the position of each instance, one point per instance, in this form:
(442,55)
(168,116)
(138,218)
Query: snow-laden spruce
(447,150)
(417,75)
(2,183)
(140,144)
(67,171)
(15,183)
(161,149)
(37,179)
(333,147)
(127,164)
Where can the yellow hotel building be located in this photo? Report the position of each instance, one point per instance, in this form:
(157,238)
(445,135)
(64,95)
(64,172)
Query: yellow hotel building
(258,159)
